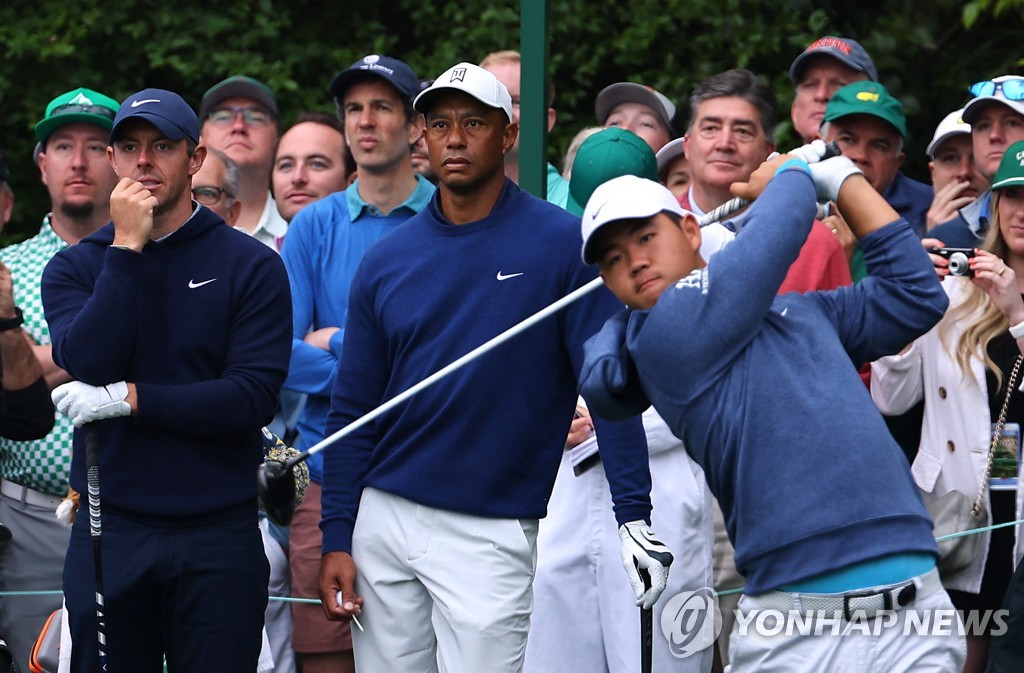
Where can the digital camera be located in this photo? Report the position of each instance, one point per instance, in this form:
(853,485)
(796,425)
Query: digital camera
(959,259)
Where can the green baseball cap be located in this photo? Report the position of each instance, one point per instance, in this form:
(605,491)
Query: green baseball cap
(608,154)
(867,98)
(1011,168)
(80,105)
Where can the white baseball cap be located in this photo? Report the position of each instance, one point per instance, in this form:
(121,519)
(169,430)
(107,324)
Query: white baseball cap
(951,125)
(471,79)
(627,197)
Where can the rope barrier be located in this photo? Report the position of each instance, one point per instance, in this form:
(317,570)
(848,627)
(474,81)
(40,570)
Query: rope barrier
(724,592)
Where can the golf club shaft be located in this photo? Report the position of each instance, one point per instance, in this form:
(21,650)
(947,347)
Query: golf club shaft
(96,532)
(445,371)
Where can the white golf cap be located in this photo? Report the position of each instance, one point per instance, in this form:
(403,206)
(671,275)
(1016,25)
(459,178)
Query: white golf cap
(667,154)
(951,125)
(471,79)
(624,198)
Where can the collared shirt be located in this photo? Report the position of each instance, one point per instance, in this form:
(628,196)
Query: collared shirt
(558,188)
(42,464)
(325,243)
(271,228)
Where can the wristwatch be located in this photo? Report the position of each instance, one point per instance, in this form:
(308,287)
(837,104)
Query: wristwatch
(12,323)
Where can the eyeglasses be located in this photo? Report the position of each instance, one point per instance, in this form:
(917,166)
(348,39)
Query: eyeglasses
(209,196)
(252,116)
(1013,89)
(86,109)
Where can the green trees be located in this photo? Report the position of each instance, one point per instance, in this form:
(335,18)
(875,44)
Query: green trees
(924,53)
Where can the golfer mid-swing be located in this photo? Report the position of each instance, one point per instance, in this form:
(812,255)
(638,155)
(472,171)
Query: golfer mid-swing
(818,499)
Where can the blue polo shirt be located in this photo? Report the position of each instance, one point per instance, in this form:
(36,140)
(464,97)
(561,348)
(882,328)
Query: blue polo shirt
(325,243)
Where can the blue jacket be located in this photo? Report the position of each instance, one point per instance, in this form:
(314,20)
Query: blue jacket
(911,199)
(486,440)
(763,392)
(201,323)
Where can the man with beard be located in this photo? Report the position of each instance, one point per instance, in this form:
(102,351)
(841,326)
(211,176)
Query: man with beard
(73,166)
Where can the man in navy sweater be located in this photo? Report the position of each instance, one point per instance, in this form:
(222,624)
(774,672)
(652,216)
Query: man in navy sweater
(430,514)
(177,330)
(818,500)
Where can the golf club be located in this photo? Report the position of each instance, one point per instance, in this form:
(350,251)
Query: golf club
(96,531)
(275,478)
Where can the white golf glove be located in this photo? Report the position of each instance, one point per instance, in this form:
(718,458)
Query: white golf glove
(646,559)
(828,176)
(83,403)
(812,152)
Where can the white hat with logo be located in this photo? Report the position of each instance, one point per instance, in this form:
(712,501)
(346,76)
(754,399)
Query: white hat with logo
(470,79)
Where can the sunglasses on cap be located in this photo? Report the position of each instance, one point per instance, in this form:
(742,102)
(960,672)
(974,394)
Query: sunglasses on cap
(1013,89)
(74,108)
(251,116)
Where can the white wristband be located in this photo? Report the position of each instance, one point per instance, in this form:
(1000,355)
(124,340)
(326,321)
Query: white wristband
(1017,331)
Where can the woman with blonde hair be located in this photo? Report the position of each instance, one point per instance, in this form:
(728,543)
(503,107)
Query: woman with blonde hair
(961,368)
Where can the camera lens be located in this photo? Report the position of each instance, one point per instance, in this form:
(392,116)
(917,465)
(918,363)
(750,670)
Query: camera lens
(958,264)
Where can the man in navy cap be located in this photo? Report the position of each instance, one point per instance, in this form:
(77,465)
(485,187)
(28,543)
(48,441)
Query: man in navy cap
(325,244)
(178,363)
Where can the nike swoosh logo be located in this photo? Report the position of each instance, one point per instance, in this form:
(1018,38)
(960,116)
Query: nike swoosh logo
(783,314)
(502,276)
(192,284)
(137,103)
(598,210)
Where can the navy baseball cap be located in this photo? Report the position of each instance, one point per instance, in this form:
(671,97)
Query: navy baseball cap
(397,73)
(843,49)
(163,109)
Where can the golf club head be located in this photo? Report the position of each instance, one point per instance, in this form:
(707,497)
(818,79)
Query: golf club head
(5,533)
(277,491)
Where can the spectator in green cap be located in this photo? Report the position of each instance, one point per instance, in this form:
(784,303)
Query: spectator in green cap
(868,124)
(73,135)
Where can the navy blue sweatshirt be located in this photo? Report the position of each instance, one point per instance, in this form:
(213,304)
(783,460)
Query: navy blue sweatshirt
(201,323)
(488,439)
(762,390)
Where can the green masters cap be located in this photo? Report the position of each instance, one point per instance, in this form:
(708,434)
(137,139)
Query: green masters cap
(867,98)
(1011,168)
(608,154)
(80,105)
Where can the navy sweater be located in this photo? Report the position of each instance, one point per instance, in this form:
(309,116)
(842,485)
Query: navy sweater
(201,323)
(763,391)
(487,440)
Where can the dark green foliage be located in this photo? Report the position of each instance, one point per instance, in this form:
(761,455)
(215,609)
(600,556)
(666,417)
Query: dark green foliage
(924,53)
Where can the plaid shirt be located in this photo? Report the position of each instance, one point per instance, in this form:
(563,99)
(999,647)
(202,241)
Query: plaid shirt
(41,464)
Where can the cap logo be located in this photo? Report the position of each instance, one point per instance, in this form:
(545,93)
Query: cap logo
(137,103)
(80,99)
(458,75)
(867,96)
(1020,157)
(371,59)
(830,43)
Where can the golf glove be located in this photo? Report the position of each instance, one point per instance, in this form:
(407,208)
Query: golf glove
(83,403)
(828,176)
(812,152)
(646,559)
